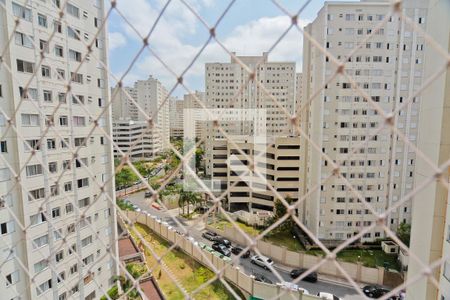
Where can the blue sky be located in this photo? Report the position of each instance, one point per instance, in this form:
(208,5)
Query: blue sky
(249,28)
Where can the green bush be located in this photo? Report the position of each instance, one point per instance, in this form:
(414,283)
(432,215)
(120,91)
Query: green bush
(113,293)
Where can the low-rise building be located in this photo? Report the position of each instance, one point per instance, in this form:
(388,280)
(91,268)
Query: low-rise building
(247,170)
(135,137)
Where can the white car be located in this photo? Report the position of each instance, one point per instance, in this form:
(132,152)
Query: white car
(294,287)
(261,261)
(327,296)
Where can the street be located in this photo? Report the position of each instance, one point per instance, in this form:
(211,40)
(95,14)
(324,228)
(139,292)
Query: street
(341,290)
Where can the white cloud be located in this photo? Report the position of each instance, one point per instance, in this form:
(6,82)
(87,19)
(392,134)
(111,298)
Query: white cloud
(116,40)
(168,41)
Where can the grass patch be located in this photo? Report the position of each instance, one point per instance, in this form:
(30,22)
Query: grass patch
(185,269)
(368,258)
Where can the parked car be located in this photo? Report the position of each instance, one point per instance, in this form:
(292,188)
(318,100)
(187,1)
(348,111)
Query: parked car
(262,278)
(148,194)
(328,296)
(311,277)
(236,250)
(211,236)
(223,241)
(221,249)
(261,261)
(202,209)
(374,291)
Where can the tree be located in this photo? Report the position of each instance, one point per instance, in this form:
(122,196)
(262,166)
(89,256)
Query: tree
(279,211)
(188,198)
(404,233)
(125,177)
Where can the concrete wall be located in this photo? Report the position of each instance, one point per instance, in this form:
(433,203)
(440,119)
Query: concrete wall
(232,273)
(279,254)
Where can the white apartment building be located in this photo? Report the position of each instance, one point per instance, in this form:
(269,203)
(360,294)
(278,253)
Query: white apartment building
(298,88)
(176,118)
(60,255)
(123,106)
(389,68)
(223,91)
(277,160)
(430,232)
(150,96)
(136,139)
(194,114)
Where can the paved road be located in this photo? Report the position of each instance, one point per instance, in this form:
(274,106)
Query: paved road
(341,290)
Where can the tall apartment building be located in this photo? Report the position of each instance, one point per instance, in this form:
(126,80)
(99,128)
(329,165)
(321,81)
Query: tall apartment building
(123,106)
(59,255)
(277,160)
(194,114)
(298,88)
(150,96)
(223,83)
(430,232)
(389,68)
(176,118)
(135,138)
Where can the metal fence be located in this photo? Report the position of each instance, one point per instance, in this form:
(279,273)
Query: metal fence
(386,120)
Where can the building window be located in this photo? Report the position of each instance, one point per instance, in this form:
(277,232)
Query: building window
(51,144)
(74,55)
(73,33)
(25,66)
(7,227)
(67,187)
(63,121)
(34,170)
(21,12)
(12,278)
(57,27)
(42,20)
(40,241)
(30,120)
(53,167)
(59,51)
(76,77)
(38,218)
(23,40)
(3,147)
(45,71)
(40,266)
(73,10)
(47,96)
(43,287)
(84,202)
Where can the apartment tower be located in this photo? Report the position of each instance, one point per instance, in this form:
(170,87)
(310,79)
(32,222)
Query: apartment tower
(430,232)
(66,250)
(151,97)
(224,94)
(176,118)
(389,68)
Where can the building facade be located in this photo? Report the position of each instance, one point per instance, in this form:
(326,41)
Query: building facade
(67,256)
(135,139)
(276,163)
(195,115)
(388,67)
(430,230)
(150,96)
(223,91)
(176,118)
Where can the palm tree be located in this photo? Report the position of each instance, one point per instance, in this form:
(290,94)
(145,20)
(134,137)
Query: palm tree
(187,198)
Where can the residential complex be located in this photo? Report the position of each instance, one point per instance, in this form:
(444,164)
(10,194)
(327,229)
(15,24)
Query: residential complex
(276,163)
(224,95)
(176,118)
(149,97)
(430,232)
(388,67)
(135,139)
(195,114)
(66,246)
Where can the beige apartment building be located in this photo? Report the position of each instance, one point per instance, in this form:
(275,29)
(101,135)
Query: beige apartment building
(430,232)
(223,94)
(60,255)
(277,161)
(136,139)
(151,97)
(176,118)
(389,68)
(195,114)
